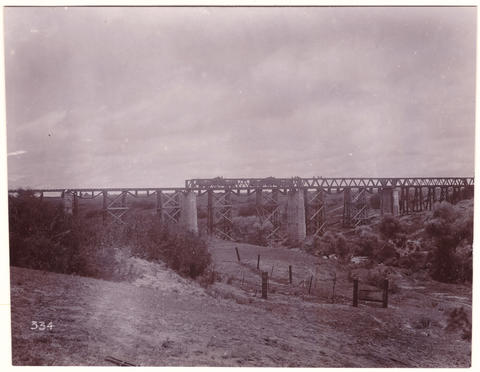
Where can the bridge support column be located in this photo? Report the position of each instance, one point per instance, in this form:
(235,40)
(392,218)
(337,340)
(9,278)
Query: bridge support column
(296,216)
(68,202)
(390,201)
(210,212)
(124,198)
(159,205)
(314,211)
(396,202)
(386,200)
(347,207)
(403,201)
(188,211)
(430,198)
(468,192)
(443,193)
(104,205)
(75,204)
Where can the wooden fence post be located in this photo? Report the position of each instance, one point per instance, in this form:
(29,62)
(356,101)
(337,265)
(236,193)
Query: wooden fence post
(238,254)
(290,274)
(385,293)
(264,284)
(355,292)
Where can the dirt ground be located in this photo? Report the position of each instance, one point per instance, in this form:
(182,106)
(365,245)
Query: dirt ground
(161,319)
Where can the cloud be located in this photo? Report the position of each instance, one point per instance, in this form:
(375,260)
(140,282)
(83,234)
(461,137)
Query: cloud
(152,96)
(15,153)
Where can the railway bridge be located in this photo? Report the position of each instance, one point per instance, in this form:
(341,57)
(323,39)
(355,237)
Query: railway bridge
(292,207)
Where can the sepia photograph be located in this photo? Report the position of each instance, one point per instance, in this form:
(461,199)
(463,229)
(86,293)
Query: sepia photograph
(240,186)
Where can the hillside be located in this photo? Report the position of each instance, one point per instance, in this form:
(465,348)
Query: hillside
(158,318)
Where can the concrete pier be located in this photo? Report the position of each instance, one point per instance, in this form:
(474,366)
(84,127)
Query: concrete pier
(296,228)
(396,202)
(390,201)
(188,211)
(68,202)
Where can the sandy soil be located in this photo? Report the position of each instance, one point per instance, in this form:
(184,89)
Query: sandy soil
(162,319)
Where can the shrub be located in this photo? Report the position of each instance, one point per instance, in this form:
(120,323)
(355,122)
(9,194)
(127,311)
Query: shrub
(376,278)
(458,320)
(366,241)
(250,230)
(341,248)
(184,252)
(94,213)
(387,253)
(258,237)
(43,237)
(389,227)
(447,229)
(328,244)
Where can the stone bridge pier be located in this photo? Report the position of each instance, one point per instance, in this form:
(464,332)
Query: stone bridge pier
(296,227)
(188,211)
(390,201)
(70,202)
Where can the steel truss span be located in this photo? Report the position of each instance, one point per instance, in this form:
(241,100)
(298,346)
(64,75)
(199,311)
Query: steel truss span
(325,183)
(250,184)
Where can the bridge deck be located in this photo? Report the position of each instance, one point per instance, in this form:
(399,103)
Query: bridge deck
(328,183)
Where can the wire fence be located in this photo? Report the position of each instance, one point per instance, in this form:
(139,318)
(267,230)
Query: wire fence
(315,285)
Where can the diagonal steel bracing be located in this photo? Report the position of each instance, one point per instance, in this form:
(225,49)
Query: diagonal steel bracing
(219,214)
(170,206)
(315,211)
(269,210)
(355,209)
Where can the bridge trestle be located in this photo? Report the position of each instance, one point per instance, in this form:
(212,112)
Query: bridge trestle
(294,207)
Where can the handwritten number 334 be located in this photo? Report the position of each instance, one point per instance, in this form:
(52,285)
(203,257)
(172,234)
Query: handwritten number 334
(40,326)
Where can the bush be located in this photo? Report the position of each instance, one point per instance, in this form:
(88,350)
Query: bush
(387,253)
(447,229)
(376,277)
(184,252)
(366,241)
(250,230)
(414,261)
(94,213)
(43,237)
(332,243)
(459,321)
(389,227)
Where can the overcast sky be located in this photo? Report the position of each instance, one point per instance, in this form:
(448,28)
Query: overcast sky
(146,97)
